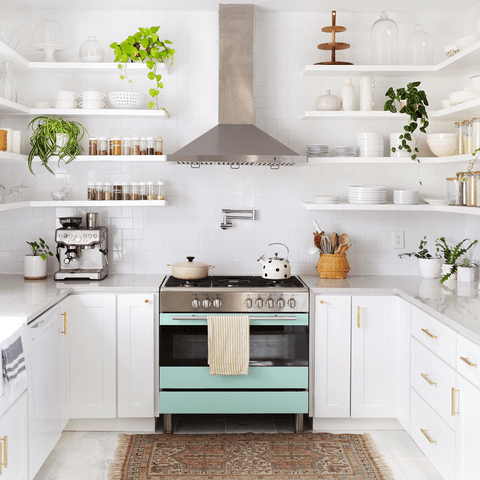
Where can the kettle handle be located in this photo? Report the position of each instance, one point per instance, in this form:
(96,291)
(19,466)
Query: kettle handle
(288,251)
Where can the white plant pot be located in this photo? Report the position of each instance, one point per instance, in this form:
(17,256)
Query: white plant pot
(34,267)
(465,274)
(430,267)
(446,267)
(62,140)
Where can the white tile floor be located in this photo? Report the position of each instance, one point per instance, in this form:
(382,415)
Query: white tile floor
(88,455)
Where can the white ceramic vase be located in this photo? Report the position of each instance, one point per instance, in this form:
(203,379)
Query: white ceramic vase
(328,102)
(430,267)
(465,274)
(446,267)
(34,267)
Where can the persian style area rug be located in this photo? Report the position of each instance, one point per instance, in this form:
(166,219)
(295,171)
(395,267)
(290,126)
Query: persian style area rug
(287,456)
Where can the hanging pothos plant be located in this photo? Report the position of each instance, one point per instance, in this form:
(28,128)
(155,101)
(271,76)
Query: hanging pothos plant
(416,101)
(145,47)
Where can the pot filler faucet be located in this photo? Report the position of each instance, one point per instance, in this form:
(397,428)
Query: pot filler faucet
(229,215)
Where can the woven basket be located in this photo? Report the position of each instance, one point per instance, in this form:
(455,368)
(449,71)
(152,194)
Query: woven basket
(333,266)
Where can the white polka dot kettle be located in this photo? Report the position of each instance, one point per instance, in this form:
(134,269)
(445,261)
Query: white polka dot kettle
(275,268)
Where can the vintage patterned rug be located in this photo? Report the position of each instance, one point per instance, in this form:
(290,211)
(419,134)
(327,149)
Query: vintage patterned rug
(300,456)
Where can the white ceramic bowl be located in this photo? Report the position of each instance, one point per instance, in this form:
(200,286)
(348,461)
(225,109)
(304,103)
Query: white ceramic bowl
(91,95)
(440,136)
(91,104)
(465,42)
(65,95)
(443,150)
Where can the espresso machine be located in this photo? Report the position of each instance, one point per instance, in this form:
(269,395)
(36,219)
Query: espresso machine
(81,252)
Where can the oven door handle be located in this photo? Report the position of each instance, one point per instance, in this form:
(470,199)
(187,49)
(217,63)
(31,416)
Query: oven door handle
(251,318)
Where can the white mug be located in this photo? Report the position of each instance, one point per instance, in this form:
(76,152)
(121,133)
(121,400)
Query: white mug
(64,104)
(90,104)
(91,95)
(65,95)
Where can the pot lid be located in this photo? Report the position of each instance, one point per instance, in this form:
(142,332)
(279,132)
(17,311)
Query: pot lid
(190,264)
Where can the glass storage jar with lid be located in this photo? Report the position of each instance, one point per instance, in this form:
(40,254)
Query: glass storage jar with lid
(159,146)
(160,190)
(102,146)
(135,191)
(419,47)
(151,191)
(100,191)
(135,145)
(126,146)
(384,41)
(108,188)
(127,191)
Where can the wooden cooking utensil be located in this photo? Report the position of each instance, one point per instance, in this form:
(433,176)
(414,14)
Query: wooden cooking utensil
(343,239)
(334,240)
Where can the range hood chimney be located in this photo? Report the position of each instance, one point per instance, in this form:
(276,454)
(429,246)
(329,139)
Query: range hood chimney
(236,141)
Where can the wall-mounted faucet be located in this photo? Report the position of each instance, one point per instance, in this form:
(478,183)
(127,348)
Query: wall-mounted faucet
(229,215)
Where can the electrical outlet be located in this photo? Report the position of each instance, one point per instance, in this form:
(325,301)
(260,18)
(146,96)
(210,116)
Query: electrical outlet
(399,239)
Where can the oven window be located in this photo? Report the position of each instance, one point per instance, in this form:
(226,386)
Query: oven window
(276,345)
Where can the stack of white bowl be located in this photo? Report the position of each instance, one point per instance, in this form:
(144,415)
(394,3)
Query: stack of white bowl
(370,144)
(325,199)
(346,151)
(405,197)
(65,99)
(317,150)
(367,195)
(395,142)
(442,144)
(92,99)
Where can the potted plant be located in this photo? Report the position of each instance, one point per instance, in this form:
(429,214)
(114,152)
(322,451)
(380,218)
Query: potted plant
(145,46)
(414,102)
(466,270)
(54,137)
(451,255)
(429,264)
(35,265)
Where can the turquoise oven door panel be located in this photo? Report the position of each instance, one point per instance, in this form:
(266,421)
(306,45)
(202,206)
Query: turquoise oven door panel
(258,377)
(233,402)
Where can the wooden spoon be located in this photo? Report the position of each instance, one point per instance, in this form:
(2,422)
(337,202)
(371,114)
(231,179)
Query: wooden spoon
(343,239)
(334,240)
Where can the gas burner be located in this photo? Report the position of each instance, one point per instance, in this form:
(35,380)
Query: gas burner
(181,283)
(232,282)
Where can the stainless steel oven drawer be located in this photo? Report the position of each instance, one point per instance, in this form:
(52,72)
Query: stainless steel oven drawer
(258,377)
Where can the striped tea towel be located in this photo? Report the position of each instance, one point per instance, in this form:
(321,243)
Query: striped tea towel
(228,344)
(13,360)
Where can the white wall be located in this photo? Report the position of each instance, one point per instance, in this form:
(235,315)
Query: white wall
(144,240)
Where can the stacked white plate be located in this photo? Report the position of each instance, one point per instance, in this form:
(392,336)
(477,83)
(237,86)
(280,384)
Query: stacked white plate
(405,197)
(347,151)
(462,97)
(367,195)
(317,150)
(370,144)
(325,199)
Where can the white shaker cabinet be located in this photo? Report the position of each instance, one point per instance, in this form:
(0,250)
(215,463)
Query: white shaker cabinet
(135,355)
(374,356)
(92,344)
(64,363)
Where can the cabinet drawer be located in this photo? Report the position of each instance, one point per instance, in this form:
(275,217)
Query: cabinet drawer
(468,360)
(433,380)
(436,336)
(433,436)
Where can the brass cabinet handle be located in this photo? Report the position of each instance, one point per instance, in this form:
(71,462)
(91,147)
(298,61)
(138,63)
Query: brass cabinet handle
(453,402)
(468,362)
(5,453)
(425,376)
(64,323)
(424,330)
(322,302)
(358,317)
(146,300)
(425,432)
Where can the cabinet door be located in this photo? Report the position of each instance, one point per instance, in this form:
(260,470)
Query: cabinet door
(332,356)
(13,426)
(64,363)
(92,344)
(374,356)
(403,369)
(135,355)
(468,421)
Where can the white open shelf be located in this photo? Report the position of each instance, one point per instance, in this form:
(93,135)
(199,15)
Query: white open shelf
(7,157)
(461,64)
(388,160)
(84,203)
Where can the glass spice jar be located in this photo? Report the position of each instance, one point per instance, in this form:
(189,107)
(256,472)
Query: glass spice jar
(117,191)
(91,191)
(475,134)
(150,149)
(110,146)
(457,137)
(461,139)
(468,136)
(135,191)
(159,146)
(143,190)
(100,191)
(92,146)
(116,146)
(108,189)
(135,145)
(160,190)
(126,146)
(151,191)
(472,190)
(126,191)
(102,146)
(143,146)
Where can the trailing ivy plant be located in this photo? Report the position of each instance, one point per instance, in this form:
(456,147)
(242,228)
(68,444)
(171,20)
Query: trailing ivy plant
(40,249)
(422,251)
(416,101)
(144,46)
(452,254)
(44,140)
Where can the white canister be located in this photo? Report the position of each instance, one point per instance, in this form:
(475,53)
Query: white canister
(367,93)
(446,268)
(348,96)
(465,274)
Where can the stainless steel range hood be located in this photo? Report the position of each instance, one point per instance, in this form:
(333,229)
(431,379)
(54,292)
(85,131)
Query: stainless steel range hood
(236,141)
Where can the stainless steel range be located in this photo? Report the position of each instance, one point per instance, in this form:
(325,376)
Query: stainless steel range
(277,381)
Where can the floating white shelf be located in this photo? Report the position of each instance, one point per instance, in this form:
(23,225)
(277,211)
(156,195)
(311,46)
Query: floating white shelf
(461,64)
(6,157)
(22,64)
(84,203)
(388,160)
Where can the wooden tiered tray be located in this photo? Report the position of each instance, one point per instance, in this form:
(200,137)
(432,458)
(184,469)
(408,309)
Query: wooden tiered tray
(333,46)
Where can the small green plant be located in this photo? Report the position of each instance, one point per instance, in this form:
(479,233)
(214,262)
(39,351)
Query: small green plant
(467,263)
(422,251)
(44,140)
(40,249)
(452,254)
(144,46)
(416,101)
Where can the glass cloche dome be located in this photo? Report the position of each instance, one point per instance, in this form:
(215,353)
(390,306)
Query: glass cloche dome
(384,38)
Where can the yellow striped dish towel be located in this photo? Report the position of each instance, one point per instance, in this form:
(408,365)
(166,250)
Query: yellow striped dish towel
(228,344)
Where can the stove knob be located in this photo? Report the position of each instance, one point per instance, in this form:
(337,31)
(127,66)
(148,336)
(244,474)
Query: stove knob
(78,238)
(196,303)
(270,303)
(259,302)
(281,303)
(248,303)
(217,303)
(206,303)
(292,303)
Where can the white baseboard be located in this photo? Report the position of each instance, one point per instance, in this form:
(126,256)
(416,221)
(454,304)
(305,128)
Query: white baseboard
(349,425)
(112,424)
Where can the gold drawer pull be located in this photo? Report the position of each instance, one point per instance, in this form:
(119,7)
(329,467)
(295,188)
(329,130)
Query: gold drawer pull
(424,330)
(453,402)
(64,323)
(322,301)
(358,317)
(5,453)
(425,377)
(427,436)
(146,300)
(468,362)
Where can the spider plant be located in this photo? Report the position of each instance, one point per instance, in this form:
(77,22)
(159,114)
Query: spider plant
(44,140)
